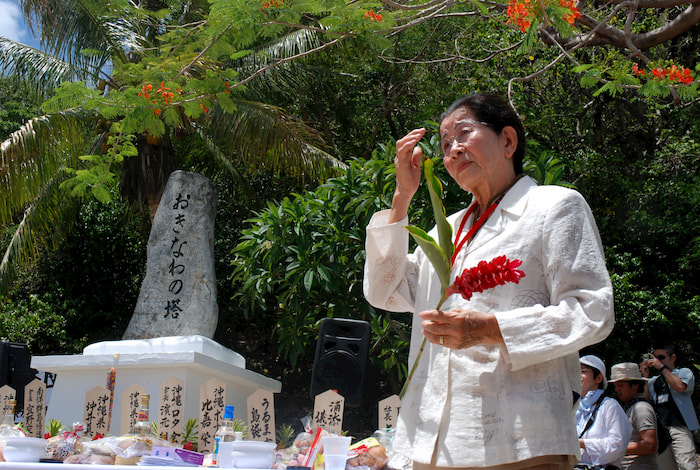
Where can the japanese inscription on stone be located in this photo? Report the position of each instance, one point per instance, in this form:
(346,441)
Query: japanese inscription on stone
(171,410)
(131,402)
(212,397)
(96,411)
(328,412)
(178,294)
(261,416)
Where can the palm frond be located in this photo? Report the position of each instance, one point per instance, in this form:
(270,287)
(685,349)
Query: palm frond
(45,224)
(40,70)
(32,156)
(69,28)
(265,136)
(288,78)
(219,156)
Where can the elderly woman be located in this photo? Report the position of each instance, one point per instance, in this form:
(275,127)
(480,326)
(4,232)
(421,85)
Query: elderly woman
(497,383)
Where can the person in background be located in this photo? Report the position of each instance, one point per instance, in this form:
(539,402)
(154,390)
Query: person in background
(629,387)
(670,392)
(495,385)
(602,425)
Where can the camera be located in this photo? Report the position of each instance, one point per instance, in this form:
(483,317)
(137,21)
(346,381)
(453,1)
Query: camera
(647,357)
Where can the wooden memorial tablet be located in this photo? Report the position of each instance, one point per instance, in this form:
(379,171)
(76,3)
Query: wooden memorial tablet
(328,412)
(131,402)
(261,416)
(212,397)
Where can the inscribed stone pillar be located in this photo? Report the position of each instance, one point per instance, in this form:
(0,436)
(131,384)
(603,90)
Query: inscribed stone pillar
(178,294)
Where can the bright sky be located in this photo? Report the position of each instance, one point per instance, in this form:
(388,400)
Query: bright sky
(12,25)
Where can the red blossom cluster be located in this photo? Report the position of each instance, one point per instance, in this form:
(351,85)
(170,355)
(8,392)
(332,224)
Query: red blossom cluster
(486,275)
(519,12)
(522,12)
(146,91)
(271,3)
(574,15)
(673,73)
(374,16)
(680,75)
(163,92)
(637,71)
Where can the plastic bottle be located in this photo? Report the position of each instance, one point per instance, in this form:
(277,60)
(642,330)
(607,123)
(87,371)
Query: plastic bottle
(225,433)
(142,426)
(7,428)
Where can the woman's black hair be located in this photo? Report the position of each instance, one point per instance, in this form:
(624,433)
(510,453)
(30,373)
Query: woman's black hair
(596,373)
(497,114)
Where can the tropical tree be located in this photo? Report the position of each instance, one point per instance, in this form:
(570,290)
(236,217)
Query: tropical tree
(115,117)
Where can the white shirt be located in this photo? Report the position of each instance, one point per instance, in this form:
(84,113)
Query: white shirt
(607,438)
(490,405)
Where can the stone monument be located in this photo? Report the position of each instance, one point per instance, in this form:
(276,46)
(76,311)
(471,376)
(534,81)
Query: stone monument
(178,293)
(169,335)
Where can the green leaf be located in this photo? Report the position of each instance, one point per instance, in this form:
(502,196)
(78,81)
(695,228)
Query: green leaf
(443,226)
(435,254)
(530,39)
(308,280)
(582,68)
(482,8)
(101,194)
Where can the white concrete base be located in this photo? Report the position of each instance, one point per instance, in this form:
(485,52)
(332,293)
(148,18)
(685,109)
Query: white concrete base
(149,362)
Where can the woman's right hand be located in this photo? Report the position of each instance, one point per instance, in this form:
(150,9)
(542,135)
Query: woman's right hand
(408,161)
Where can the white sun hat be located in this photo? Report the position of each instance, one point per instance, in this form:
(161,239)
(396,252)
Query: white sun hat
(625,371)
(597,363)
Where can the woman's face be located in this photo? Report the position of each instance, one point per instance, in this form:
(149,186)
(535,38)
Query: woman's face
(588,381)
(476,157)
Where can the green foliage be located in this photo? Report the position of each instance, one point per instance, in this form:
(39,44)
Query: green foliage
(37,323)
(285,436)
(648,311)
(544,165)
(190,432)
(17,106)
(84,291)
(54,428)
(302,259)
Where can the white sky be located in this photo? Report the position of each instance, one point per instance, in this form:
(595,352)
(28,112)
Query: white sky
(12,24)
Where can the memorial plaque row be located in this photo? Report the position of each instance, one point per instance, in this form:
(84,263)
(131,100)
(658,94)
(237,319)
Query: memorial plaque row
(168,410)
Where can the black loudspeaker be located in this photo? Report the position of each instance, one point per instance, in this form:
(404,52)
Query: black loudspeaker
(341,356)
(15,369)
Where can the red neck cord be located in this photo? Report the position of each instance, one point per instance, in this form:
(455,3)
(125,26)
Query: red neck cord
(460,243)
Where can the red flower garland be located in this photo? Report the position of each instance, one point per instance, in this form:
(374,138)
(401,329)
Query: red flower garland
(486,275)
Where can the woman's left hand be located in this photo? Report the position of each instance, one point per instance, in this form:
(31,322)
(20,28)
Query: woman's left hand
(459,329)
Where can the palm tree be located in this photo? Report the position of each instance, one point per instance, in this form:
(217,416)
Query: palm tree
(104,126)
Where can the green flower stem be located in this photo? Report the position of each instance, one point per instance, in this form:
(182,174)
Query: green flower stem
(420,352)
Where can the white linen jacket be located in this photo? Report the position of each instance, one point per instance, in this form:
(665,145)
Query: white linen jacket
(491,404)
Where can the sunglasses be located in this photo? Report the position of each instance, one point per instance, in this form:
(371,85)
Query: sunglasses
(660,357)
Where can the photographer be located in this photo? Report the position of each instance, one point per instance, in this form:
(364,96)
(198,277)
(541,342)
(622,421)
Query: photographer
(670,392)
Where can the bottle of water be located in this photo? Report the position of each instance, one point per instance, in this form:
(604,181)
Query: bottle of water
(225,433)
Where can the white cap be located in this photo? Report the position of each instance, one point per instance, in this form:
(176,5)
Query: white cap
(596,363)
